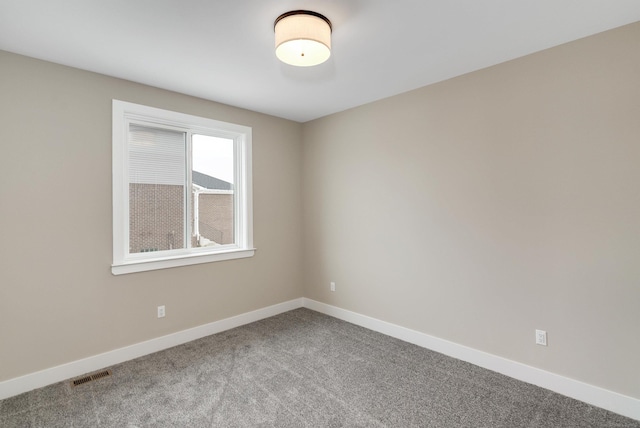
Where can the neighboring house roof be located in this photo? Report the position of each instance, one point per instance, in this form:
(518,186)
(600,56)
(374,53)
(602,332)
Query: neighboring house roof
(208,182)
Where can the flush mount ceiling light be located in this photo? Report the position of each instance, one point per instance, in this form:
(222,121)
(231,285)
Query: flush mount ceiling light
(303,38)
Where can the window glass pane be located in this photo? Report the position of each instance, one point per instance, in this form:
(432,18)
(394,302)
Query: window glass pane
(213,178)
(156,189)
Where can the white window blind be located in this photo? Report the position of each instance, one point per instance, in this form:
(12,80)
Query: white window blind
(156,156)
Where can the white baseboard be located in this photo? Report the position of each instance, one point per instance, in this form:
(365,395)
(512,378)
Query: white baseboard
(618,403)
(609,400)
(46,377)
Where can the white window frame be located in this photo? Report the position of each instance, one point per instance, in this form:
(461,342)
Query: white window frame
(125,113)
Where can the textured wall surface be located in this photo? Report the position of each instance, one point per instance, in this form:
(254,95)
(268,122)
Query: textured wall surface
(59,301)
(484,207)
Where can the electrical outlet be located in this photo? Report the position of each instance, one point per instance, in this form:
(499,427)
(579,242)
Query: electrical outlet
(333,286)
(541,337)
(161,311)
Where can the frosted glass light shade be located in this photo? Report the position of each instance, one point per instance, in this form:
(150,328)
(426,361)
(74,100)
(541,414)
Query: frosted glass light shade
(303,38)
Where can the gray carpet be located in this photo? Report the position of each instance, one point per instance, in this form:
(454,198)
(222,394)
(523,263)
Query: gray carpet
(300,369)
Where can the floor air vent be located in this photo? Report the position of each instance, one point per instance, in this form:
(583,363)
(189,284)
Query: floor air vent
(91,377)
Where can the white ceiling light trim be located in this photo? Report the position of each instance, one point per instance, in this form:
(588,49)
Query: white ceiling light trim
(303,38)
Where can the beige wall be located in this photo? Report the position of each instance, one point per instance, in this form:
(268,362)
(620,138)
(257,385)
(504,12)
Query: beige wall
(59,301)
(484,207)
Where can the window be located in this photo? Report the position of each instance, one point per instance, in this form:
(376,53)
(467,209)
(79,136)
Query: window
(181,189)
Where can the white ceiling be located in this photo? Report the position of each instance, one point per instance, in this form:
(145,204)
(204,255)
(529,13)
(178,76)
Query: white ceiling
(223,50)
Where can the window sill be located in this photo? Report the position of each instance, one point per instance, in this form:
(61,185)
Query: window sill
(176,261)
